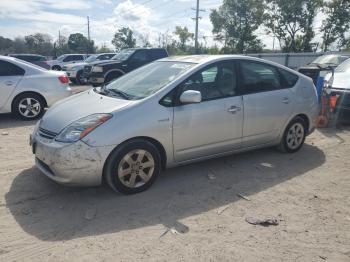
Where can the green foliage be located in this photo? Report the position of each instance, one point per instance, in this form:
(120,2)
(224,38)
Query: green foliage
(39,43)
(184,36)
(292,23)
(124,38)
(78,43)
(336,24)
(235,23)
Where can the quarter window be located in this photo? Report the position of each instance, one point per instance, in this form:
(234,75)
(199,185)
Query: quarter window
(259,77)
(290,79)
(9,69)
(214,82)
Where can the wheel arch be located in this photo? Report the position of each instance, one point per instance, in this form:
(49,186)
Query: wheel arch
(114,71)
(27,92)
(153,141)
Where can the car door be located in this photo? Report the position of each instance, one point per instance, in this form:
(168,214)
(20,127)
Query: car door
(138,59)
(10,76)
(267,103)
(214,125)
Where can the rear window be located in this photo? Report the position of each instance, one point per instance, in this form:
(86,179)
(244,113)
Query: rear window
(289,78)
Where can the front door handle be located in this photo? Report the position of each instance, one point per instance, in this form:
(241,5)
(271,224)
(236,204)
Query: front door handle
(285,100)
(9,83)
(234,109)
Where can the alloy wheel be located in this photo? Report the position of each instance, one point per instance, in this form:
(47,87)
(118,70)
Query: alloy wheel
(29,107)
(136,168)
(295,136)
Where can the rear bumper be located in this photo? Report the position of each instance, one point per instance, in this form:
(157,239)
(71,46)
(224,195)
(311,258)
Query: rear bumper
(52,98)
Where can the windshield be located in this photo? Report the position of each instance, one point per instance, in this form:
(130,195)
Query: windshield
(326,59)
(91,58)
(344,67)
(60,58)
(123,55)
(148,79)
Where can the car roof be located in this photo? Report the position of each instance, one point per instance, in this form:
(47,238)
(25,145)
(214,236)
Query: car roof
(25,55)
(198,59)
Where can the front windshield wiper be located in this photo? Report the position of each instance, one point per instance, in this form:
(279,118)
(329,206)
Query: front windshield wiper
(120,93)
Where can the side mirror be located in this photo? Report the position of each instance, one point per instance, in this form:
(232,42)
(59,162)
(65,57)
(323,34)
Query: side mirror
(191,97)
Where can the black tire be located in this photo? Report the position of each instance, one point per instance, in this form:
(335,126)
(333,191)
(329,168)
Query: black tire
(111,76)
(286,144)
(78,78)
(56,68)
(34,113)
(114,161)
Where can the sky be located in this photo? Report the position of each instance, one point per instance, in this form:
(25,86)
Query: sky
(146,17)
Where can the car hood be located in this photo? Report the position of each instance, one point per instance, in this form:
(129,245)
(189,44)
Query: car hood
(77,106)
(341,80)
(106,62)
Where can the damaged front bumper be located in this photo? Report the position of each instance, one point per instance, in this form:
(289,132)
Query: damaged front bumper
(76,164)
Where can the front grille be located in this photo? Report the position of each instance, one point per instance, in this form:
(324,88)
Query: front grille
(46,133)
(64,68)
(87,69)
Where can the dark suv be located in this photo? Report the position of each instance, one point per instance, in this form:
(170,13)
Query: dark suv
(34,59)
(99,73)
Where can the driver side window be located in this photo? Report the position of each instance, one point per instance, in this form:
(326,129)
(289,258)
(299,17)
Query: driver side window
(214,82)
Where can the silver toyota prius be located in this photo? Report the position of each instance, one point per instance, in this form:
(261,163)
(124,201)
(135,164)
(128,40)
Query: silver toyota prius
(171,112)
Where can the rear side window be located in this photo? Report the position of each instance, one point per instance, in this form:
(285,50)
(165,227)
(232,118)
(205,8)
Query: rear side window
(158,54)
(9,69)
(289,78)
(259,77)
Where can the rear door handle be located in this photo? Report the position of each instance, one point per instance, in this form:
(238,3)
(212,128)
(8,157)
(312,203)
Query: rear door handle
(285,100)
(234,109)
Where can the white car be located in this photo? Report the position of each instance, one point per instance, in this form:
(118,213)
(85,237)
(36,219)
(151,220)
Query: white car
(62,60)
(26,89)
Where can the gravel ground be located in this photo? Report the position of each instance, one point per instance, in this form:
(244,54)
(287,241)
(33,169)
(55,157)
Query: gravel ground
(191,213)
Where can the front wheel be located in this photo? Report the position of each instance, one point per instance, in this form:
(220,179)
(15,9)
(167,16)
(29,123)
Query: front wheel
(294,136)
(133,167)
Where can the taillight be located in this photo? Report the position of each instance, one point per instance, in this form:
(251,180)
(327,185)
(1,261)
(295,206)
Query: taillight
(63,79)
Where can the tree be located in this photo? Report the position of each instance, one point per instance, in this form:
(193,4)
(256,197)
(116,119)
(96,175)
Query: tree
(39,44)
(184,35)
(336,24)
(235,23)
(124,38)
(5,45)
(292,22)
(104,49)
(79,43)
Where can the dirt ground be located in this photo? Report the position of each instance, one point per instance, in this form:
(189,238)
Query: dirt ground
(308,191)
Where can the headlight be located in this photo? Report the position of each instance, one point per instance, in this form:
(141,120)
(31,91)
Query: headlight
(97,69)
(82,127)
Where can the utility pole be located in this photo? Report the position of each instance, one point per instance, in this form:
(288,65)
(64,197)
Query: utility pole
(88,24)
(59,38)
(196,19)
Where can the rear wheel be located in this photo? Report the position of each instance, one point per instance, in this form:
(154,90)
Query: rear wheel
(56,68)
(294,136)
(28,106)
(133,167)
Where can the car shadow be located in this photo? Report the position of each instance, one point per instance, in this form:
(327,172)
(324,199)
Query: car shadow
(11,121)
(51,212)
